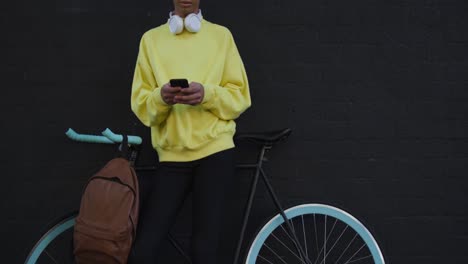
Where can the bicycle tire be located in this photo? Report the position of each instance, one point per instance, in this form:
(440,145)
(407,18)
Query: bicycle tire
(59,228)
(261,252)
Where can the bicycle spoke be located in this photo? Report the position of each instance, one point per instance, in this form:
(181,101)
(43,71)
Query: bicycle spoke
(305,239)
(260,256)
(275,254)
(286,232)
(325,240)
(346,248)
(293,241)
(292,252)
(338,239)
(292,224)
(316,235)
(333,228)
(324,249)
(50,256)
(354,254)
(368,256)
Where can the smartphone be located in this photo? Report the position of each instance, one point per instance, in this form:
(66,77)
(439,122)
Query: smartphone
(182,83)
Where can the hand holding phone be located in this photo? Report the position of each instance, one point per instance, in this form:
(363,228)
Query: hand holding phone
(169,91)
(192,96)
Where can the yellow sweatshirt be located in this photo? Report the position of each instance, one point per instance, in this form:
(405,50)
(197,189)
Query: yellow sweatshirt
(183,132)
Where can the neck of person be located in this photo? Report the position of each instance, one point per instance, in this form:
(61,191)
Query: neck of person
(183,14)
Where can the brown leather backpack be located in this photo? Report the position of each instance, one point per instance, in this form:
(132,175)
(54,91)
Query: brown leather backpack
(106,224)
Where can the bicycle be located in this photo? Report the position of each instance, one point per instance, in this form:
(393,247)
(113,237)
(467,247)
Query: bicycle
(285,238)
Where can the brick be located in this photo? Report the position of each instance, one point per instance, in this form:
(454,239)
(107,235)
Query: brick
(294,73)
(430,148)
(330,111)
(432,91)
(374,149)
(449,53)
(456,168)
(378,110)
(340,149)
(324,129)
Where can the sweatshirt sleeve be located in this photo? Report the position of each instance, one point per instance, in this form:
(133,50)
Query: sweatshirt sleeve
(146,101)
(231,97)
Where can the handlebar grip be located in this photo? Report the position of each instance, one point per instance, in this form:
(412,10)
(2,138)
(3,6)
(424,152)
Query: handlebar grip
(87,138)
(108,137)
(133,140)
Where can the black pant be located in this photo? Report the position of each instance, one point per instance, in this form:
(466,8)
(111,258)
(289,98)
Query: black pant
(208,179)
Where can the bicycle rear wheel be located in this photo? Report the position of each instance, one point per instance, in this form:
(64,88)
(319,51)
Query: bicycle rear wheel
(326,233)
(56,244)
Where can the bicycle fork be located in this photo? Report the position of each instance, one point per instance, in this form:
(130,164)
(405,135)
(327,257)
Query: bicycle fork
(259,171)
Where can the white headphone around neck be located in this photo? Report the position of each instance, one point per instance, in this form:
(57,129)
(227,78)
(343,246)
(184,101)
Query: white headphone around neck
(192,23)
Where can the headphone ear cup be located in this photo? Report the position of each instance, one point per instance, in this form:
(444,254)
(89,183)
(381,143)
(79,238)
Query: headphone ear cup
(192,23)
(176,24)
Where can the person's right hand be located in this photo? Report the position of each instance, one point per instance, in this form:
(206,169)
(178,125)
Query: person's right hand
(168,92)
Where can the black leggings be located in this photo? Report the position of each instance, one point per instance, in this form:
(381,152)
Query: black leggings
(208,179)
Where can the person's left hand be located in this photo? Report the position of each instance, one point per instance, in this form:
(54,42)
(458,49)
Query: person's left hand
(193,95)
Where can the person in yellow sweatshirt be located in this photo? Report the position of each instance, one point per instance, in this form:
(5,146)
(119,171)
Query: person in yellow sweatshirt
(192,128)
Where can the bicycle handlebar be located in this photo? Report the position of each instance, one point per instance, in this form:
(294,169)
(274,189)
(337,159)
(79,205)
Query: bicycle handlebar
(108,137)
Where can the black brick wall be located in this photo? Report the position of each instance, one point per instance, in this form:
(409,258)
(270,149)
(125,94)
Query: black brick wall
(376,92)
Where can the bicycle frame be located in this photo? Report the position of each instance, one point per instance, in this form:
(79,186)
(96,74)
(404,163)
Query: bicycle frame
(265,142)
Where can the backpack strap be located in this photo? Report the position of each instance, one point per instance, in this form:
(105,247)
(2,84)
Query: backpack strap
(124,147)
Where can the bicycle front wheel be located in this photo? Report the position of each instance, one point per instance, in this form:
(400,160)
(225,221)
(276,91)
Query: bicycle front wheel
(56,245)
(327,235)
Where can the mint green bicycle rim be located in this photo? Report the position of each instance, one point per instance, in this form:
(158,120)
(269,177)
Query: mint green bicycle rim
(319,209)
(49,236)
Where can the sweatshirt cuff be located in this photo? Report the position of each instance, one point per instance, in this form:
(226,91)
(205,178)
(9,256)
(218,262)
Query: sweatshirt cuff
(158,99)
(209,91)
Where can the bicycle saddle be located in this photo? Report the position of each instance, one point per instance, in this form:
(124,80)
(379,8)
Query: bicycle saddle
(265,138)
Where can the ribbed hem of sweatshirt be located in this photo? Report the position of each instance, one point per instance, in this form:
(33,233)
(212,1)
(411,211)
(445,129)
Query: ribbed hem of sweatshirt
(223,142)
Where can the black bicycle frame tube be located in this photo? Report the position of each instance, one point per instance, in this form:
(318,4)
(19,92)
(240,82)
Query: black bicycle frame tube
(250,200)
(288,223)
